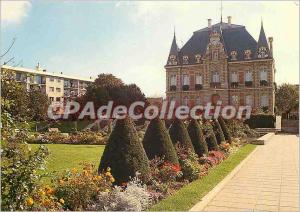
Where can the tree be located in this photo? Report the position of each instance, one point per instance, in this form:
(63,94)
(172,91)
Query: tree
(224,129)
(108,81)
(124,153)
(16,94)
(286,98)
(157,142)
(210,137)
(38,104)
(197,138)
(218,131)
(179,134)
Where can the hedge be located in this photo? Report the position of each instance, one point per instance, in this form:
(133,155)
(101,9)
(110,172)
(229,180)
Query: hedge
(261,121)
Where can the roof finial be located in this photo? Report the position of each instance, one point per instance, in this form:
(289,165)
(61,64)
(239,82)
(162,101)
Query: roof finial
(174,31)
(261,21)
(221,11)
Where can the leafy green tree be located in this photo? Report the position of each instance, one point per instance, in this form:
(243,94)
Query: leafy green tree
(179,134)
(157,142)
(124,153)
(197,138)
(38,104)
(286,98)
(218,131)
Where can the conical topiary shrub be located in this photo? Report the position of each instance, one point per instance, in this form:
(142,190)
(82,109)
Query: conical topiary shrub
(224,129)
(124,153)
(218,131)
(157,142)
(197,138)
(210,137)
(179,134)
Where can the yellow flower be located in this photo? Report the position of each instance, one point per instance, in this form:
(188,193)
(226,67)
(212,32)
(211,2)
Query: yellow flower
(61,182)
(108,169)
(62,201)
(99,178)
(108,174)
(29,201)
(112,179)
(106,190)
(41,192)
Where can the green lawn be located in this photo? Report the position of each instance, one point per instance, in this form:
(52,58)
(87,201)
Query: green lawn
(188,196)
(66,156)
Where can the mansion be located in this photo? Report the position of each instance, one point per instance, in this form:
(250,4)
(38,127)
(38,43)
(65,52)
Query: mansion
(222,60)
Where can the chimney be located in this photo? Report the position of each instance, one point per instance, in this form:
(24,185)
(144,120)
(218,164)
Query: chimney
(209,23)
(229,19)
(271,45)
(38,67)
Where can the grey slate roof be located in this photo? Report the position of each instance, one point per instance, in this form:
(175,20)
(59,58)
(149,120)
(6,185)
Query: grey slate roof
(262,40)
(234,37)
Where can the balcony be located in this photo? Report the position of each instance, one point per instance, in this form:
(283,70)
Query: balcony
(234,84)
(215,85)
(173,88)
(185,87)
(198,87)
(263,83)
(248,83)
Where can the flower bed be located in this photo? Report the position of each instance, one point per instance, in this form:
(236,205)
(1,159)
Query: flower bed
(86,137)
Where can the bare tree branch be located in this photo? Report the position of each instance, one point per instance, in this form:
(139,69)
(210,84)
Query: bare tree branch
(11,45)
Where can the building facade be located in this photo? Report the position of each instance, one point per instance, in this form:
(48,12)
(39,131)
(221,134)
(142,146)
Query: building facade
(222,60)
(58,87)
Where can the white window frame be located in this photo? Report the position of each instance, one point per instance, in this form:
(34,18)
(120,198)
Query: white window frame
(263,75)
(173,80)
(248,76)
(234,77)
(249,100)
(235,99)
(216,77)
(186,79)
(264,101)
(199,79)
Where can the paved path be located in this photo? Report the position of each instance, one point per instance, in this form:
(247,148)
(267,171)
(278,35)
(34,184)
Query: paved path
(268,181)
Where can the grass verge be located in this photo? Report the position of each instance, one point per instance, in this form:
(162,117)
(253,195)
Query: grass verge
(189,195)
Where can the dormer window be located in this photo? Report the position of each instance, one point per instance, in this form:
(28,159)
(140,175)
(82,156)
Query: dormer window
(172,60)
(233,55)
(185,59)
(247,54)
(198,58)
(215,55)
(262,52)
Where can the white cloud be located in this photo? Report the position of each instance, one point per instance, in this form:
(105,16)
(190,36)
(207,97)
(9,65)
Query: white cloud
(13,12)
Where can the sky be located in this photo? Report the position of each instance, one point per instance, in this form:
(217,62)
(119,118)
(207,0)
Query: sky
(132,39)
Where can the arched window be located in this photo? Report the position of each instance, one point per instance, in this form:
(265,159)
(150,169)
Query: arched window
(216,77)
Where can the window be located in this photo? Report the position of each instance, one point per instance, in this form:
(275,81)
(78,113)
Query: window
(51,89)
(216,77)
(197,58)
(233,55)
(215,55)
(58,99)
(173,80)
(173,99)
(51,99)
(263,75)
(18,76)
(58,80)
(172,60)
(248,54)
(198,80)
(198,100)
(58,89)
(51,79)
(185,100)
(235,99)
(248,76)
(186,79)
(249,100)
(234,77)
(185,59)
(264,102)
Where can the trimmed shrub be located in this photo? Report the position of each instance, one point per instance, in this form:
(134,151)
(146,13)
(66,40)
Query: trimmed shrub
(261,121)
(124,153)
(179,134)
(197,138)
(218,131)
(210,137)
(157,142)
(225,130)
